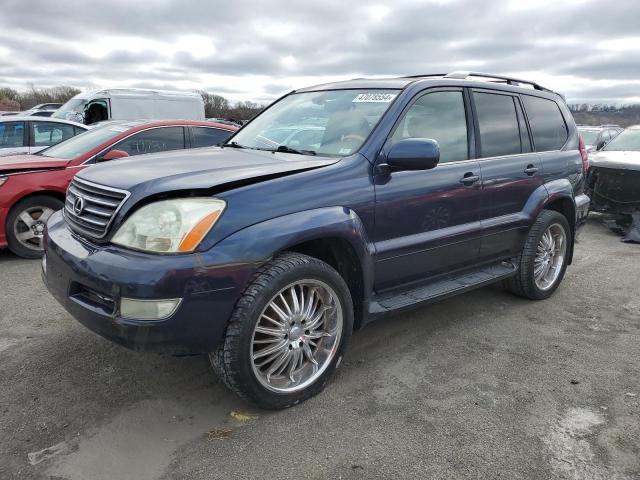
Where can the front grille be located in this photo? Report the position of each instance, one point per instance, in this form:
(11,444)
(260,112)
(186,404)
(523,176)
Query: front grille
(90,208)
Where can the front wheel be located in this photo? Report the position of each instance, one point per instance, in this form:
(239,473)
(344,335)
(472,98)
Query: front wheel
(543,260)
(288,332)
(26,222)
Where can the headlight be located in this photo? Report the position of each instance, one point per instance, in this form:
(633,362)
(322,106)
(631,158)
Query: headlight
(170,226)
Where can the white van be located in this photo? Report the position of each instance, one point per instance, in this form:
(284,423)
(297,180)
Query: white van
(132,104)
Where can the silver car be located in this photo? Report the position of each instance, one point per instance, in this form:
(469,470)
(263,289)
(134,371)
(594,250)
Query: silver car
(27,134)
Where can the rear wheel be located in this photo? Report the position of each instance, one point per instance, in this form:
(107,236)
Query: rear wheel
(543,260)
(26,222)
(288,332)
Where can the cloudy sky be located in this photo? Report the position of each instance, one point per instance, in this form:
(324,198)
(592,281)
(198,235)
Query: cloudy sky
(256,50)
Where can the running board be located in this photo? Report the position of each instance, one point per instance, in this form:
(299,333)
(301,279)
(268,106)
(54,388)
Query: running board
(440,289)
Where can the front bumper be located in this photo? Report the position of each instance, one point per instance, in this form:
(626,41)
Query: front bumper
(4,212)
(614,190)
(89,281)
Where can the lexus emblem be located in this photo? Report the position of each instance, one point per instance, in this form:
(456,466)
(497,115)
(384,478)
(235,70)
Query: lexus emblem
(78,205)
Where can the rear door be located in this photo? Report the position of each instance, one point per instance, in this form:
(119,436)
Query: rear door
(511,171)
(13,138)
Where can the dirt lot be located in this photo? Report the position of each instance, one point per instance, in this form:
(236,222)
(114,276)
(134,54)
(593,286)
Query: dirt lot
(485,385)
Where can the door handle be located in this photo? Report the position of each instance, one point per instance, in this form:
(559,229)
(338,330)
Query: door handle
(531,169)
(469,179)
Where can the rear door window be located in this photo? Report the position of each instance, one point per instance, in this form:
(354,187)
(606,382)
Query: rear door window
(12,134)
(547,123)
(208,137)
(50,133)
(498,124)
(154,140)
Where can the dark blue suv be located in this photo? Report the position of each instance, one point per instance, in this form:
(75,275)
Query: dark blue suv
(337,205)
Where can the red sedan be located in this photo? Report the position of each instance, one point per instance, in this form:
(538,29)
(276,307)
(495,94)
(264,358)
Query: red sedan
(32,187)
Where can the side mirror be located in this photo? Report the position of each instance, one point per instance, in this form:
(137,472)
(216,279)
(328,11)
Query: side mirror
(600,144)
(414,154)
(112,155)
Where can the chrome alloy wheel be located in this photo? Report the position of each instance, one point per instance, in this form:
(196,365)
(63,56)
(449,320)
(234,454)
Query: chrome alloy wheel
(550,256)
(28,228)
(296,336)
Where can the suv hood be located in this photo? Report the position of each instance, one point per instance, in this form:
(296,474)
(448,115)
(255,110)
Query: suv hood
(25,163)
(625,160)
(198,169)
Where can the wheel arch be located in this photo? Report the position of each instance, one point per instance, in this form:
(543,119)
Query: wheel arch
(46,193)
(335,235)
(342,256)
(561,200)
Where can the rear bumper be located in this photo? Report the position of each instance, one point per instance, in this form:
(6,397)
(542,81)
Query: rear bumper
(583,203)
(90,280)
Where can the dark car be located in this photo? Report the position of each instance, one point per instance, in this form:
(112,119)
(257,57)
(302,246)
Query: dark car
(596,137)
(614,182)
(42,113)
(267,257)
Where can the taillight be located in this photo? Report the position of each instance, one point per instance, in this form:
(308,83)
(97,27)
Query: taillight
(585,156)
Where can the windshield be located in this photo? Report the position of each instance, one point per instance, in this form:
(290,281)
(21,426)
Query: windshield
(72,110)
(589,136)
(334,122)
(627,140)
(84,142)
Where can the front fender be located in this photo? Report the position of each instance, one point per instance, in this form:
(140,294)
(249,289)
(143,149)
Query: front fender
(258,243)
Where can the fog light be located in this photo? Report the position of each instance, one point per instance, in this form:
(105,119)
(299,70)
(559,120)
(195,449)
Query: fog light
(148,309)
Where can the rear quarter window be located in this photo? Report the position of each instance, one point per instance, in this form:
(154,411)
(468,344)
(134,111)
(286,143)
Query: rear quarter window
(547,123)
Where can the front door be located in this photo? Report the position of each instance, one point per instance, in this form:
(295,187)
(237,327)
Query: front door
(427,222)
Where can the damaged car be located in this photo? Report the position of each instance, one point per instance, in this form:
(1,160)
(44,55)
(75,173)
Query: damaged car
(614,183)
(267,255)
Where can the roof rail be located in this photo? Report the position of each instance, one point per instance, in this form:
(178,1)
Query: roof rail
(500,78)
(462,75)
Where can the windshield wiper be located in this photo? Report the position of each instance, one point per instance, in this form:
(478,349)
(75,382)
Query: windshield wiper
(233,145)
(287,149)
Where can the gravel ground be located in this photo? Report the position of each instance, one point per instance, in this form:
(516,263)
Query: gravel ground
(484,385)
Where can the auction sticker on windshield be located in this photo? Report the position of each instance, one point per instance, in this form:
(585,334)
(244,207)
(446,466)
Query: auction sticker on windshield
(374,98)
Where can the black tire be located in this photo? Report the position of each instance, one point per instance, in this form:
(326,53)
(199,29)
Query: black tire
(231,361)
(523,283)
(34,202)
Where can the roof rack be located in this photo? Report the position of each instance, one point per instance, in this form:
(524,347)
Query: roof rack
(461,75)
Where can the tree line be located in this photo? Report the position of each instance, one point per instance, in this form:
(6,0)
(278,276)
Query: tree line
(12,100)
(215,106)
(602,114)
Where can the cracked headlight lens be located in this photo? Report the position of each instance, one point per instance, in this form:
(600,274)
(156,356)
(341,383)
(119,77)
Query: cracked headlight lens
(170,226)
